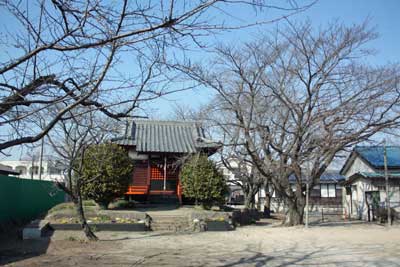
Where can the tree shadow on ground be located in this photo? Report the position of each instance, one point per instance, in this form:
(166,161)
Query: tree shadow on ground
(14,249)
(342,223)
(295,256)
(146,235)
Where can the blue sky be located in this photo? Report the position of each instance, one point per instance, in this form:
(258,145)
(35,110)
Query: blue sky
(383,15)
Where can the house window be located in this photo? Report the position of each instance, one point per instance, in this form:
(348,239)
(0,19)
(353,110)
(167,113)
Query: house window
(53,170)
(35,170)
(328,190)
(21,169)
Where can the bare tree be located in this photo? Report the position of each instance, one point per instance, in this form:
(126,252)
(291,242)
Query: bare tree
(299,97)
(233,155)
(69,141)
(72,52)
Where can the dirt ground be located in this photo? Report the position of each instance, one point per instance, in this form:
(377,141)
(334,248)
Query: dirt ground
(343,245)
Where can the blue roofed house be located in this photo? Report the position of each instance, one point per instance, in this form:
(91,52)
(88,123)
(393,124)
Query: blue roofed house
(327,194)
(364,189)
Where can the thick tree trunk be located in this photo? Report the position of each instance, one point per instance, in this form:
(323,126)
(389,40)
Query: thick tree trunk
(294,215)
(249,201)
(267,205)
(85,227)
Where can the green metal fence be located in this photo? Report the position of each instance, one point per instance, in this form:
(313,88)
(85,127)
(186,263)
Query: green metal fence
(24,199)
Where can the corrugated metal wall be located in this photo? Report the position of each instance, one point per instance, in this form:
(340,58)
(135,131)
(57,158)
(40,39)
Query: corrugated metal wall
(24,199)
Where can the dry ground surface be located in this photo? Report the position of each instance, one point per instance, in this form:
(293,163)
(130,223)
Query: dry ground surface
(343,245)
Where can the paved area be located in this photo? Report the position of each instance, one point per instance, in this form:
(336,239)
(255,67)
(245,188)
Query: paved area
(340,245)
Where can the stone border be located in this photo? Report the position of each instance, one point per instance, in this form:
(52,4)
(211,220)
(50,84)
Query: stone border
(140,227)
(218,226)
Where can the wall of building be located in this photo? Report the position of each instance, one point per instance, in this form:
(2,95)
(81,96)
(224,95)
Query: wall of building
(358,166)
(356,205)
(316,202)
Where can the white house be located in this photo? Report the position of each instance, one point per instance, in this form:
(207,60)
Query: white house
(233,177)
(364,188)
(51,170)
(326,194)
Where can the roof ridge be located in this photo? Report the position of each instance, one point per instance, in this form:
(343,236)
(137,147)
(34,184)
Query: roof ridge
(167,121)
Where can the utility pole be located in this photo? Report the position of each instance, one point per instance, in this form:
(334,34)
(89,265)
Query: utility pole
(389,221)
(307,193)
(32,164)
(41,159)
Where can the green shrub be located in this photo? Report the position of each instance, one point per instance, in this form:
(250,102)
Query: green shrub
(61,207)
(106,173)
(202,181)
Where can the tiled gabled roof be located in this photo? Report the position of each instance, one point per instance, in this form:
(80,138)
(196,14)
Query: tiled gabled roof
(377,176)
(165,137)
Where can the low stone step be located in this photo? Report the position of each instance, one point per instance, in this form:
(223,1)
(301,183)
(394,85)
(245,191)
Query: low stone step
(35,229)
(170,223)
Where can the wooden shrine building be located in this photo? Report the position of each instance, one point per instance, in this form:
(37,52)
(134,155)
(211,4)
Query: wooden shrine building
(157,148)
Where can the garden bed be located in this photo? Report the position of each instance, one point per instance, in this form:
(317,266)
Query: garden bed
(64,217)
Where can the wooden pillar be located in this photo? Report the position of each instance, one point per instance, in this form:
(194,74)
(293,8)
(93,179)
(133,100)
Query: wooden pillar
(165,173)
(179,192)
(148,177)
(148,172)
(179,187)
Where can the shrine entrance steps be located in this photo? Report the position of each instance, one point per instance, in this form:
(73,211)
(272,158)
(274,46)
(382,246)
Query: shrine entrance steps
(172,223)
(163,199)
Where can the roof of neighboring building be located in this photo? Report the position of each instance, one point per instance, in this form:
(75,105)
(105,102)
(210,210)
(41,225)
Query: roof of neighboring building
(6,170)
(328,177)
(165,136)
(372,176)
(373,156)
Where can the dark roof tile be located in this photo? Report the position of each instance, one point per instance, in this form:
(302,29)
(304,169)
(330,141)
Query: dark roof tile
(165,136)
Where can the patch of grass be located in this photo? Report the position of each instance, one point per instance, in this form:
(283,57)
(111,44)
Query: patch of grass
(62,207)
(89,203)
(69,208)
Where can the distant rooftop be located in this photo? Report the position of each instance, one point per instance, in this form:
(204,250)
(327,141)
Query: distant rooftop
(7,170)
(373,155)
(165,136)
(329,176)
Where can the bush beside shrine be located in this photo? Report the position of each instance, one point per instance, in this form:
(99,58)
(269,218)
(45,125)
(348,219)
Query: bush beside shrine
(203,182)
(107,170)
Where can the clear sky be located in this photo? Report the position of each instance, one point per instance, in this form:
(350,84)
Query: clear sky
(384,15)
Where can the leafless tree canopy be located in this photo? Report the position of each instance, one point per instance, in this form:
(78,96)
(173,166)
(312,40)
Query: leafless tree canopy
(296,98)
(64,54)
